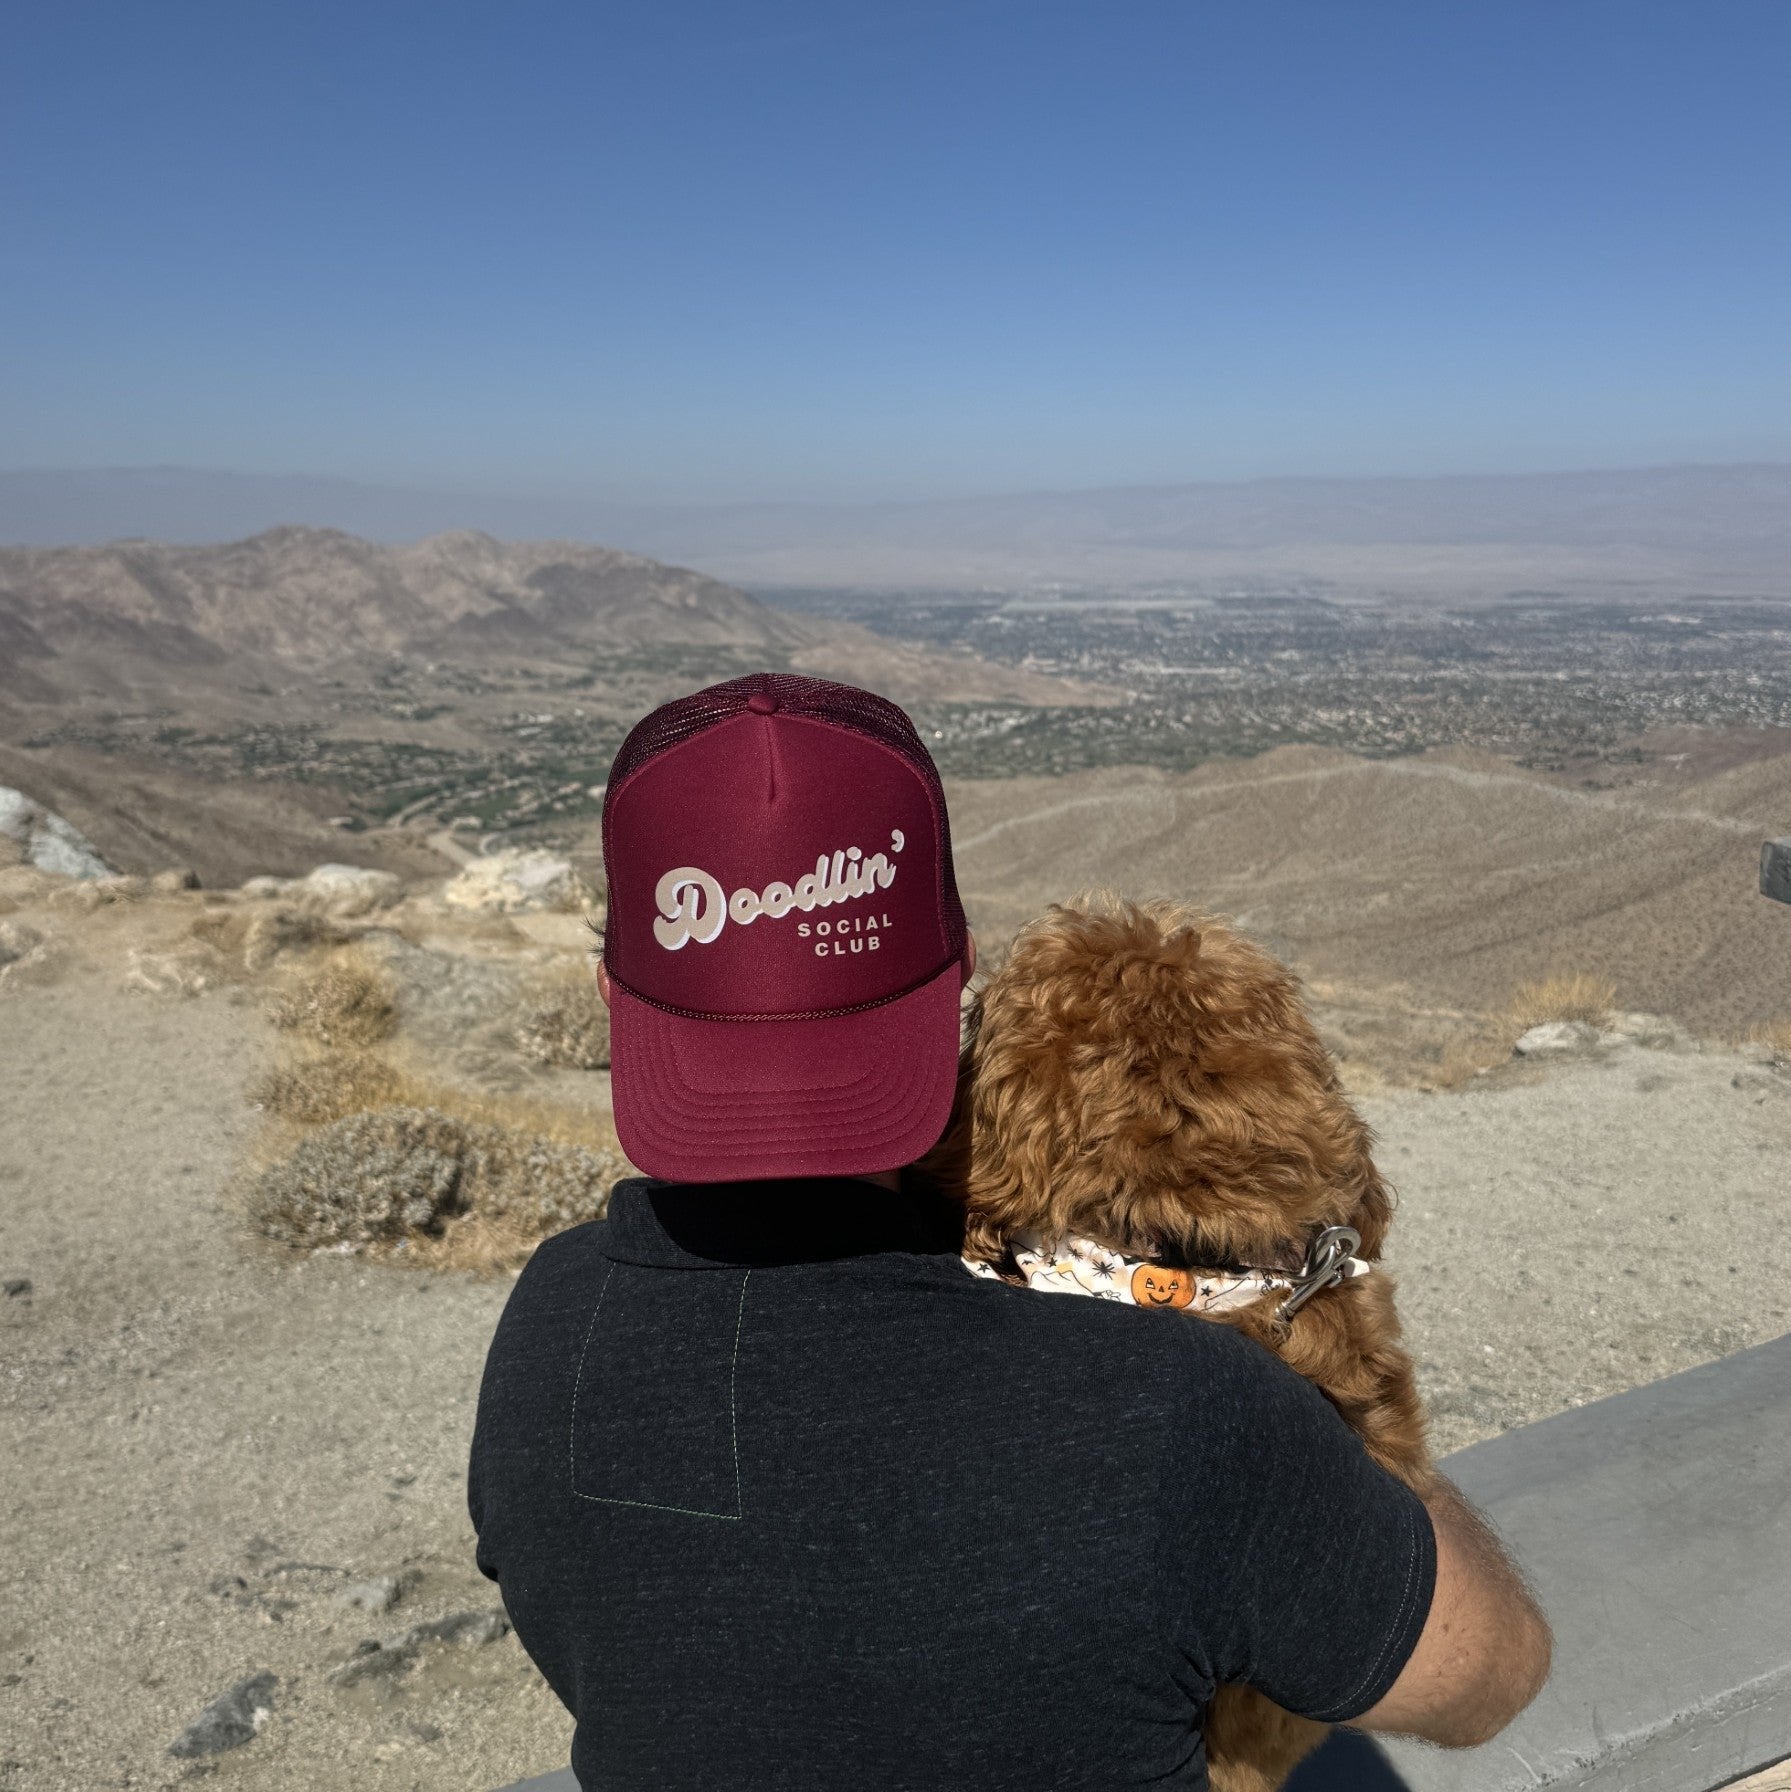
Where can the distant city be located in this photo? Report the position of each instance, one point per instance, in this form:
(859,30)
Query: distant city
(1551,683)
(1545,680)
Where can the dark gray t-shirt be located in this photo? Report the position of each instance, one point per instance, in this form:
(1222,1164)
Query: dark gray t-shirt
(779,1495)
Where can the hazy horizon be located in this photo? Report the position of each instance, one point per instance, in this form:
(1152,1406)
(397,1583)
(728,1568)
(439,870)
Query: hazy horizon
(1715,528)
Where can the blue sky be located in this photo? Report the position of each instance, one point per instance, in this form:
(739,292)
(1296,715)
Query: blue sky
(863,248)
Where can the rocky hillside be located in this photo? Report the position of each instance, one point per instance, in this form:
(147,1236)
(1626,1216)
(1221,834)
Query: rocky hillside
(314,597)
(136,622)
(1450,877)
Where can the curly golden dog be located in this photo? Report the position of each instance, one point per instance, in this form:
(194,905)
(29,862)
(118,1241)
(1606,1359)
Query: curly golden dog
(1142,1076)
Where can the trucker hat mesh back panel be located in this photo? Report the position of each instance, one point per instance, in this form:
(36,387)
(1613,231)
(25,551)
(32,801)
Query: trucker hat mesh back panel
(842,706)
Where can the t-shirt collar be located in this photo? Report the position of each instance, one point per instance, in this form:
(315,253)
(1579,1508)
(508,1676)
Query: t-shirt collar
(759,1224)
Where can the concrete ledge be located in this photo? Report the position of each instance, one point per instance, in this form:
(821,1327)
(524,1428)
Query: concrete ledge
(1775,870)
(1657,1527)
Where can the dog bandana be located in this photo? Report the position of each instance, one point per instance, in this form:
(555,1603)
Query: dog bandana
(1080,1266)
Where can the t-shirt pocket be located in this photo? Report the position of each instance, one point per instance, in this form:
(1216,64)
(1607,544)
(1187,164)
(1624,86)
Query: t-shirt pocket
(655,1422)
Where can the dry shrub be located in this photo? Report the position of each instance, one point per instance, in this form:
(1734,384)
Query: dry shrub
(348,1000)
(253,938)
(323,1086)
(563,1023)
(368,1179)
(1576,995)
(450,1192)
(1775,1035)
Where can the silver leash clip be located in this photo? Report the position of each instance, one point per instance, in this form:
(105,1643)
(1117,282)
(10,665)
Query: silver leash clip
(1325,1263)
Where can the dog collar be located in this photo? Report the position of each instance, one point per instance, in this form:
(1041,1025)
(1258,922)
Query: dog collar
(1080,1266)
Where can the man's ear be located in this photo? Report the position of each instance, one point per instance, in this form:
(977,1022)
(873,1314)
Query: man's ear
(969,957)
(603,981)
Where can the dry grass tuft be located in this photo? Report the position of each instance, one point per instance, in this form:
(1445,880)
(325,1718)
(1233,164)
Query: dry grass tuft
(319,1087)
(1462,1060)
(348,1000)
(1576,995)
(445,1191)
(253,938)
(563,1023)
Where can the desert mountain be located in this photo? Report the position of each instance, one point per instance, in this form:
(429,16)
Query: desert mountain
(128,616)
(230,708)
(313,597)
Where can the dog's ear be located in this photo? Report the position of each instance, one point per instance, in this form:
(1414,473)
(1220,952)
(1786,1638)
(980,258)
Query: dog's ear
(1371,1198)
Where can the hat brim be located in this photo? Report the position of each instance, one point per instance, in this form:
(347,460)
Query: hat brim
(747,1100)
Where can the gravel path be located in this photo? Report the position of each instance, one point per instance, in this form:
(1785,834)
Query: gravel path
(204,1443)
(1569,1232)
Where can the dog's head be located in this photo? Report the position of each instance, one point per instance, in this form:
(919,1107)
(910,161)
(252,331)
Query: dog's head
(1143,1075)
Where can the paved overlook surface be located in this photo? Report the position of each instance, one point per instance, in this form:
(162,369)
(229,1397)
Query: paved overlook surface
(208,1444)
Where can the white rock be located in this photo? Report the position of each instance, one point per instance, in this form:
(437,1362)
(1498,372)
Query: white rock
(1557,1038)
(1653,1032)
(45,840)
(184,973)
(349,889)
(378,1595)
(512,881)
(341,890)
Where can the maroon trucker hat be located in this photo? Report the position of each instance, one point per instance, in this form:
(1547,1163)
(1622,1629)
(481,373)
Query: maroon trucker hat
(784,941)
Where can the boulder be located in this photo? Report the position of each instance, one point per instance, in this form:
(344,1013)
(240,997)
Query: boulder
(44,840)
(341,891)
(1653,1032)
(516,880)
(1557,1039)
(349,890)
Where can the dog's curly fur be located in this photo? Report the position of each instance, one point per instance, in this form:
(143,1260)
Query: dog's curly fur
(1142,1075)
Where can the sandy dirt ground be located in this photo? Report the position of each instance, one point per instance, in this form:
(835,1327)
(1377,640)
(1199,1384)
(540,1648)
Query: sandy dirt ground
(207,1441)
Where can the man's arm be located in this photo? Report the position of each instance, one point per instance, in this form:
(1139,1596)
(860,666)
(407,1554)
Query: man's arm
(1350,1599)
(1484,1651)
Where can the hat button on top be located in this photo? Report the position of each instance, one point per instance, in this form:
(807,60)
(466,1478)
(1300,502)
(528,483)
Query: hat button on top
(762,703)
